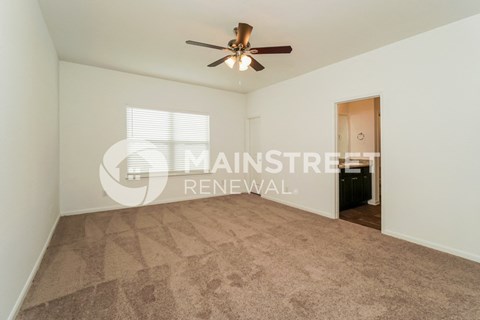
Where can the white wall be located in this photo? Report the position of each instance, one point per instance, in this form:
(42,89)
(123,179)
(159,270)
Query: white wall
(429,86)
(29,146)
(92,118)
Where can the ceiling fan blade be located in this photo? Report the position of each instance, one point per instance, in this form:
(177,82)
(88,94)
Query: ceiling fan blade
(244,31)
(219,61)
(206,45)
(271,50)
(256,65)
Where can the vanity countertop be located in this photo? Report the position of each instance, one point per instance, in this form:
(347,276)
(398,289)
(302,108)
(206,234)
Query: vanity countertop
(352,165)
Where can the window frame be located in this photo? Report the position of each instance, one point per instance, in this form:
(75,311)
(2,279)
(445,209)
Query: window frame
(142,175)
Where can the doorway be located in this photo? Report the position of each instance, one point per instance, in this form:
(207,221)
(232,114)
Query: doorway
(254,147)
(358,143)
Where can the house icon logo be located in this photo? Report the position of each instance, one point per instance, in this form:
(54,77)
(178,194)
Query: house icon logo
(127,188)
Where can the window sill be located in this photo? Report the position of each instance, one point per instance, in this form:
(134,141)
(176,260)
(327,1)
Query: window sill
(145,175)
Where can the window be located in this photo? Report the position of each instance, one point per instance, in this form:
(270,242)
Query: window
(175,134)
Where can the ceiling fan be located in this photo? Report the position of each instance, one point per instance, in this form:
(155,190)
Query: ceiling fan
(240,51)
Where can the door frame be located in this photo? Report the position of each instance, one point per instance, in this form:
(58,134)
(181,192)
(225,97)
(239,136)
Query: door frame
(336,176)
(247,146)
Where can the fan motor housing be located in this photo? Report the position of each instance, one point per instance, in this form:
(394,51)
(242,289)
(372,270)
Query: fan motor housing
(232,44)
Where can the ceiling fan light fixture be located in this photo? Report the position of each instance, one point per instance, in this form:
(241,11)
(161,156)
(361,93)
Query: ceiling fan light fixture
(239,50)
(230,62)
(242,67)
(245,60)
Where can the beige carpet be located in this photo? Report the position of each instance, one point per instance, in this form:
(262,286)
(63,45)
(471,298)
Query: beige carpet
(242,257)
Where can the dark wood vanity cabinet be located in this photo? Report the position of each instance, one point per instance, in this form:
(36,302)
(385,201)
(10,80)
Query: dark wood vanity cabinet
(355,187)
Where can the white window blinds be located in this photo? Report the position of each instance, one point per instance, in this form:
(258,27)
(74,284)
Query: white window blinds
(176,135)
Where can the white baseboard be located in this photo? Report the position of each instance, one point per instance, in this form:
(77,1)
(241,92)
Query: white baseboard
(299,206)
(425,243)
(161,201)
(26,287)
(373,202)
(431,245)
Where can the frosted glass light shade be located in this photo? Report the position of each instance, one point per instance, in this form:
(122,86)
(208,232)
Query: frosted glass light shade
(230,62)
(242,67)
(244,62)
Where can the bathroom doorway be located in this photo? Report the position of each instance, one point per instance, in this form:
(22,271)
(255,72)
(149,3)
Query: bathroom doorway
(358,143)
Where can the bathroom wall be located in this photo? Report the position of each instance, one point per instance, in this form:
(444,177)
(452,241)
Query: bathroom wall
(361,118)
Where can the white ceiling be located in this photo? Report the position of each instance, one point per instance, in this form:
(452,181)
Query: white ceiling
(148,36)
